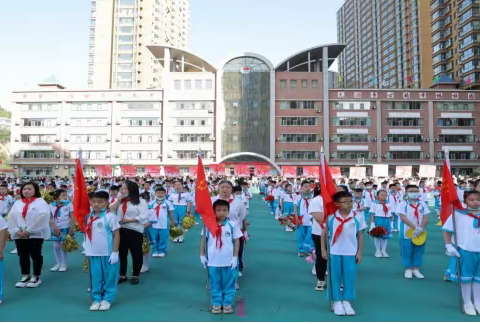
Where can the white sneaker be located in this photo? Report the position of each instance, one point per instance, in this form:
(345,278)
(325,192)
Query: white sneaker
(240,274)
(348,308)
(237,286)
(62,269)
(34,282)
(469,309)
(378,254)
(161,255)
(155,255)
(196,223)
(320,285)
(417,274)
(314,271)
(144,269)
(384,254)
(83,252)
(23,282)
(338,308)
(0,302)
(477,307)
(14,251)
(408,273)
(104,305)
(95,306)
(55,268)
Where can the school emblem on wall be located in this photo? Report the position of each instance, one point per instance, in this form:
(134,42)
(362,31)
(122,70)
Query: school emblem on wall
(390,95)
(341,94)
(423,95)
(471,96)
(374,95)
(455,95)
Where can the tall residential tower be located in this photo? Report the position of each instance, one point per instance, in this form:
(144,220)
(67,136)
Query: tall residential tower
(388,44)
(120,31)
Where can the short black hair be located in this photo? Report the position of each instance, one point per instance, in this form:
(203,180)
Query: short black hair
(145,196)
(115,187)
(37,193)
(381,190)
(160,189)
(237,189)
(359,190)
(304,182)
(221,202)
(227,182)
(410,186)
(341,194)
(392,185)
(468,193)
(100,195)
(57,193)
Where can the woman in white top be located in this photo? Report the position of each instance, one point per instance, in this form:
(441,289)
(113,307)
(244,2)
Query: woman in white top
(28,224)
(132,214)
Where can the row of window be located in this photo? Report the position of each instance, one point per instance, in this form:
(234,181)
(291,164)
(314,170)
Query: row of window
(298,104)
(194,121)
(187,84)
(299,138)
(193,105)
(303,84)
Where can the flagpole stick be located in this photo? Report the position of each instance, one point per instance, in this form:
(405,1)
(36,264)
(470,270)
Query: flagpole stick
(455,233)
(329,286)
(206,268)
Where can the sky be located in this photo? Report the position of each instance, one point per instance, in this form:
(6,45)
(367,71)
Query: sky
(44,37)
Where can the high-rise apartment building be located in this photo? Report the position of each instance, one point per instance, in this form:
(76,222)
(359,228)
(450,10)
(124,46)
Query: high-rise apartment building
(120,31)
(455,41)
(388,44)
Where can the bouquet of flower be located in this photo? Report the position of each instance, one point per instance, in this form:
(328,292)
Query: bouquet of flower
(291,222)
(145,245)
(282,221)
(85,264)
(69,244)
(47,195)
(311,258)
(378,231)
(188,222)
(175,232)
(269,198)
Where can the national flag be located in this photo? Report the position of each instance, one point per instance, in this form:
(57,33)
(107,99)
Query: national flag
(409,78)
(203,203)
(448,192)
(327,188)
(81,203)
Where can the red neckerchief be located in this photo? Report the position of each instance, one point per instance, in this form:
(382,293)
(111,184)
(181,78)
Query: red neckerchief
(218,235)
(394,198)
(371,196)
(475,217)
(179,196)
(306,202)
(358,204)
(291,196)
(88,228)
(230,200)
(424,190)
(417,215)
(2,197)
(27,202)
(113,200)
(385,208)
(55,215)
(340,227)
(157,209)
(124,206)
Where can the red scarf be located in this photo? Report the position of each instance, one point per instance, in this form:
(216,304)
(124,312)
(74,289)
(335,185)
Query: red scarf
(88,228)
(27,202)
(179,197)
(291,196)
(477,218)
(394,198)
(218,236)
(359,204)
(306,203)
(124,206)
(417,215)
(55,216)
(2,197)
(113,200)
(157,209)
(230,200)
(340,228)
(385,208)
(371,196)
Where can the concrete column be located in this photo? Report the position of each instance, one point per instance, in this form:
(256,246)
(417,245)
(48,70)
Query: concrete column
(183,62)
(288,66)
(309,61)
(164,112)
(379,131)
(431,134)
(317,69)
(326,105)
(174,65)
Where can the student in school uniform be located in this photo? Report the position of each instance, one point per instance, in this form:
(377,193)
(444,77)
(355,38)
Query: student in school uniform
(6,199)
(61,224)
(247,196)
(179,200)
(114,193)
(423,191)
(467,239)
(381,215)
(345,241)
(368,197)
(393,201)
(3,240)
(287,203)
(277,193)
(220,254)
(162,220)
(414,215)
(303,220)
(462,187)
(358,203)
(270,192)
(436,196)
(102,242)
(316,210)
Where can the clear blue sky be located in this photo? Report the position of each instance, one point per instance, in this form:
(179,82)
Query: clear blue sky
(43,37)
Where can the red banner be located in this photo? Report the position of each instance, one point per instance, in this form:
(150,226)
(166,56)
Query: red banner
(128,170)
(217,169)
(289,171)
(335,172)
(192,172)
(242,170)
(172,170)
(152,170)
(101,171)
(262,170)
(311,171)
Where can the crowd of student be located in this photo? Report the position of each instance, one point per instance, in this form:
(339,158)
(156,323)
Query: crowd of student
(123,212)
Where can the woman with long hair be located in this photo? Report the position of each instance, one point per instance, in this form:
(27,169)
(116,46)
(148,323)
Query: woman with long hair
(132,213)
(28,224)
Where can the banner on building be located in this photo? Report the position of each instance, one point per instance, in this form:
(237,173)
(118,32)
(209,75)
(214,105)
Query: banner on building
(427,171)
(192,172)
(380,170)
(311,171)
(358,172)
(289,171)
(262,170)
(152,170)
(403,171)
(217,169)
(172,170)
(242,170)
(335,172)
(128,170)
(104,171)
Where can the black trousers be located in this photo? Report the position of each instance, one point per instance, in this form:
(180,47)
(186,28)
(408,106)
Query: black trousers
(130,240)
(30,248)
(320,262)
(240,254)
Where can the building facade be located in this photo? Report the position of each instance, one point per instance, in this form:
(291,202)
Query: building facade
(455,41)
(388,44)
(119,33)
(286,114)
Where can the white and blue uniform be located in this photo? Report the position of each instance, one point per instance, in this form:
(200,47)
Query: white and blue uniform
(382,218)
(61,216)
(104,276)
(191,199)
(304,228)
(342,254)
(160,218)
(438,201)
(423,195)
(288,203)
(3,226)
(179,202)
(222,277)
(412,255)
(6,202)
(394,200)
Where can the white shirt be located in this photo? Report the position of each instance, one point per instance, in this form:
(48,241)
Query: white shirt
(368,197)
(468,237)
(460,193)
(221,257)
(316,206)
(247,196)
(276,193)
(288,197)
(404,208)
(357,204)
(424,194)
(237,212)
(347,243)
(5,204)
(63,219)
(36,221)
(378,211)
(191,198)
(302,209)
(394,200)
(3,224)
(138,212)
(160,221)
(102,235)
(180,199)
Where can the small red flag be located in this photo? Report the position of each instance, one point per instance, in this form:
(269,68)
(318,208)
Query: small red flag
(448,193)
(81,204)
(409,78)
(203,203)
(327,189)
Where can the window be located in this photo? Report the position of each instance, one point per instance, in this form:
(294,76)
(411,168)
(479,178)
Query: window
(406,105)
(208,84)
(293,84)
(198,84)
(351,121)
(405,155)
(298,105)
(403,122)
(37,154)
(351,138)
(298,121)
(457,139)
(462,122)
(453,106)
(304,84)
(314,84)
(299,155)
(299,138)
(187,84)
(184,154)
(283,84)
(457,155)
(404,138)
(351,155)
(177,85)
(141,105)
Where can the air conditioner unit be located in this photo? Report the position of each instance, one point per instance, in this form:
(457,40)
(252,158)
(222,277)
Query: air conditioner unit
(57,155)
(384,139)
(426,140)
(170,139)
(210,111)
(213,155)
(15,155)
(478,139)
(117,140)
(384,156)
(160,139)
(66,140)
(58,123)
(117,156)
(117,122)
(67,123)
(277,155)
(17,140)
(374,155)
(160,156)
(331,155)
(65,166)
(234,123)
(321,139)
(318,110)
(57,139)
(374,139)
(427,156)
(169,156)
(15,166)
(56,167)
(213,138)
(437,139)
(278,139)
(108,140)
(373,107)
(66,155)
(109,123)
(107,156)
(160,122)
(17,124)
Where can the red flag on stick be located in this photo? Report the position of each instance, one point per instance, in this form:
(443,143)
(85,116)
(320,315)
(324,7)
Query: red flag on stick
(81,204)
(327,188)
(203,203)
(448,192)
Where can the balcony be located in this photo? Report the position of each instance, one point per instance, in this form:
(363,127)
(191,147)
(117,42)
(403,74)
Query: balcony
(466,5)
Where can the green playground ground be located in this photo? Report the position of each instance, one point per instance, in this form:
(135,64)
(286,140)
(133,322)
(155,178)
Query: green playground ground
(277,285)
